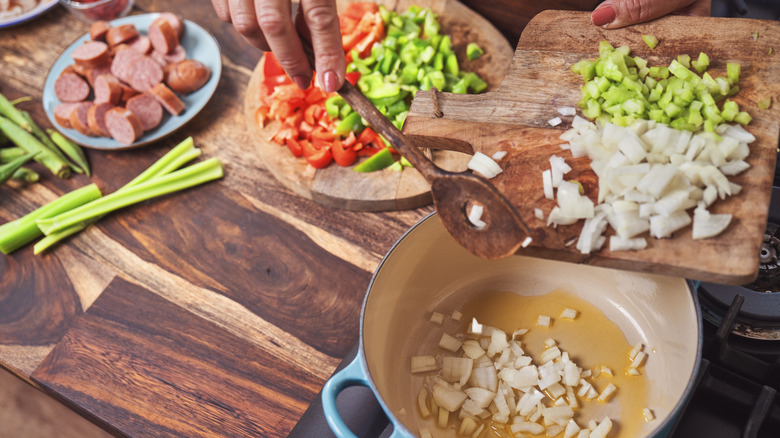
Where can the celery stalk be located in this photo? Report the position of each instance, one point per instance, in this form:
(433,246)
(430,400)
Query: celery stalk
(174,159)
(17,233)
(190,176)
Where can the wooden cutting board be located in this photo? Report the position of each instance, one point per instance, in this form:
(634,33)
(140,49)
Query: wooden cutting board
(514,118)
(342,187)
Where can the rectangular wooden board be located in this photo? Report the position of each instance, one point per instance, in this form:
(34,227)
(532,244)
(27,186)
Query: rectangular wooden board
(515,118)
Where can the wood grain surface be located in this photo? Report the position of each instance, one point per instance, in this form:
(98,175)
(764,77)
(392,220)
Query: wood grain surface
(342,187)
(217,311)
(514,118)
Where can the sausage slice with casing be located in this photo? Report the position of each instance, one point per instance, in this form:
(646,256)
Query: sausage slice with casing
(187,76)
(123,125)
(168,99)
(147,109)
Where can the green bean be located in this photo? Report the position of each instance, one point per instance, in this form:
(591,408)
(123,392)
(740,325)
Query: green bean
(8,110)
(72,150)
(43,138)
(7,170)
(26,175)
(29,143)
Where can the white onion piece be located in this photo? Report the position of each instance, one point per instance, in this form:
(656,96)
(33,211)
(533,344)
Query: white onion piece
(449,343)
(602,429)
(618,243)
(572,429)
(555,121)
(707,225)
(485,165)
(421,364)
(543,321)
(539,214)
(606,394)
(547,184)
(448,397)
(734,167)
(567,111)
(498,155)
(475,216)
(648,414)
(436,318)
(568,313)
(664,226)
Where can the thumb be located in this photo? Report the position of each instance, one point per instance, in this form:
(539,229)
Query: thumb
(613,14)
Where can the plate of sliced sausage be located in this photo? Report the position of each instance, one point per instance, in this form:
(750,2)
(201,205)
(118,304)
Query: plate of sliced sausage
(132,81)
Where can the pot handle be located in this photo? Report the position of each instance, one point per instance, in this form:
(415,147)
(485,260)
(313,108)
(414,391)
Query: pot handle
(351,375)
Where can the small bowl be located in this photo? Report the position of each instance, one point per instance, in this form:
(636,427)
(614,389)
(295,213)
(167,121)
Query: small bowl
(90,11)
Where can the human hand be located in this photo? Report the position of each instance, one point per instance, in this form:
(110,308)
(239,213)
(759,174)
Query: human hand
(613,14)
(268,25)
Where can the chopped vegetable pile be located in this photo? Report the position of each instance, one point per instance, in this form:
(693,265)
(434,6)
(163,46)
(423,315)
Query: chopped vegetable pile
(620,88)
(485,380)
(390,56)
(660,146)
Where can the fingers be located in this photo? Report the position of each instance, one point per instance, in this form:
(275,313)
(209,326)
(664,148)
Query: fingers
(221,7)
(275,19)
(242,14)
(322,21)
(613,14)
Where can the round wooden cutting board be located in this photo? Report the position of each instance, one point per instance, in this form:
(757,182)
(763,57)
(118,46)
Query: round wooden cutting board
(342,187)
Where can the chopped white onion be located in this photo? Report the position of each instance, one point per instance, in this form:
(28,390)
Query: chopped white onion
(648,414)
(456,315)
(475,216)
(436,318)
(421,364)
(449,343)
(602,429)
(448,397)
(707,225)
(547,184)
(568,313)
(485,165)
(539,214)
(567,111)
(499,155)
(543,321)
(606,394)
(555,121)
(572,429)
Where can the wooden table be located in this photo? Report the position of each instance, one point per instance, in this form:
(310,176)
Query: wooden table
(220,311)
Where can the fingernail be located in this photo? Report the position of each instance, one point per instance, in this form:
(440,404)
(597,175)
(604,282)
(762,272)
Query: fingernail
(604,14)
(302,81)
(330,82)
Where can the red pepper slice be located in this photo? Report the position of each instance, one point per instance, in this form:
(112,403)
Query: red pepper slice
(295,147)
(343,156)
(367,136)
(358,10)
(350,141)
(352,77)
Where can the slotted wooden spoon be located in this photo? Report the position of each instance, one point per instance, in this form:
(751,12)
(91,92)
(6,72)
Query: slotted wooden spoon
(453,193)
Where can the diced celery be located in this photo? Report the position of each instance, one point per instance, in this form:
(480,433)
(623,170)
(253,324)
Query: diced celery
(685,60)
(743,118)
(702,63)
(650,40)
(730,110)
(733,70)
(659,72)
(605,48)
(586,68)
(451,65)
(445,47)
(765,103)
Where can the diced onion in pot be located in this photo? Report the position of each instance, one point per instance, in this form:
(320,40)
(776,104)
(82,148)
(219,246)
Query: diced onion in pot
(602,429)
(421,364)
(436,318)
(543,321)
(648,414)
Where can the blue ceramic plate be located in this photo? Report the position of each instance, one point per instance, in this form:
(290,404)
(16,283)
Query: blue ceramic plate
(199,44)
(42,7)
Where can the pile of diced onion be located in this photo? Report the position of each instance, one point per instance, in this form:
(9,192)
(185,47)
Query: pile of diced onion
(485,379)
(649,176)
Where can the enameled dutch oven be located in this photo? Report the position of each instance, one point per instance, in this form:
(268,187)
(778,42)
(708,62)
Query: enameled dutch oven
(427,270)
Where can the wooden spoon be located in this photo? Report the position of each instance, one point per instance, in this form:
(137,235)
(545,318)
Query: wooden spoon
(453,193)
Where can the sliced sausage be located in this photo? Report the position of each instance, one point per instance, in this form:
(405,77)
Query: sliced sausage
(97,71)
(168,99)
(142,44)
(147,109)
(121,34)
(127,93)
(123,125)
(91,54)
(79,118)
(164,38)
(70,87)
(96,118)
(81,70)
(62,113)
(123,57)
(108,89)
(175,21)
(178,54)
(144,73)
(187,76)
(98,30)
